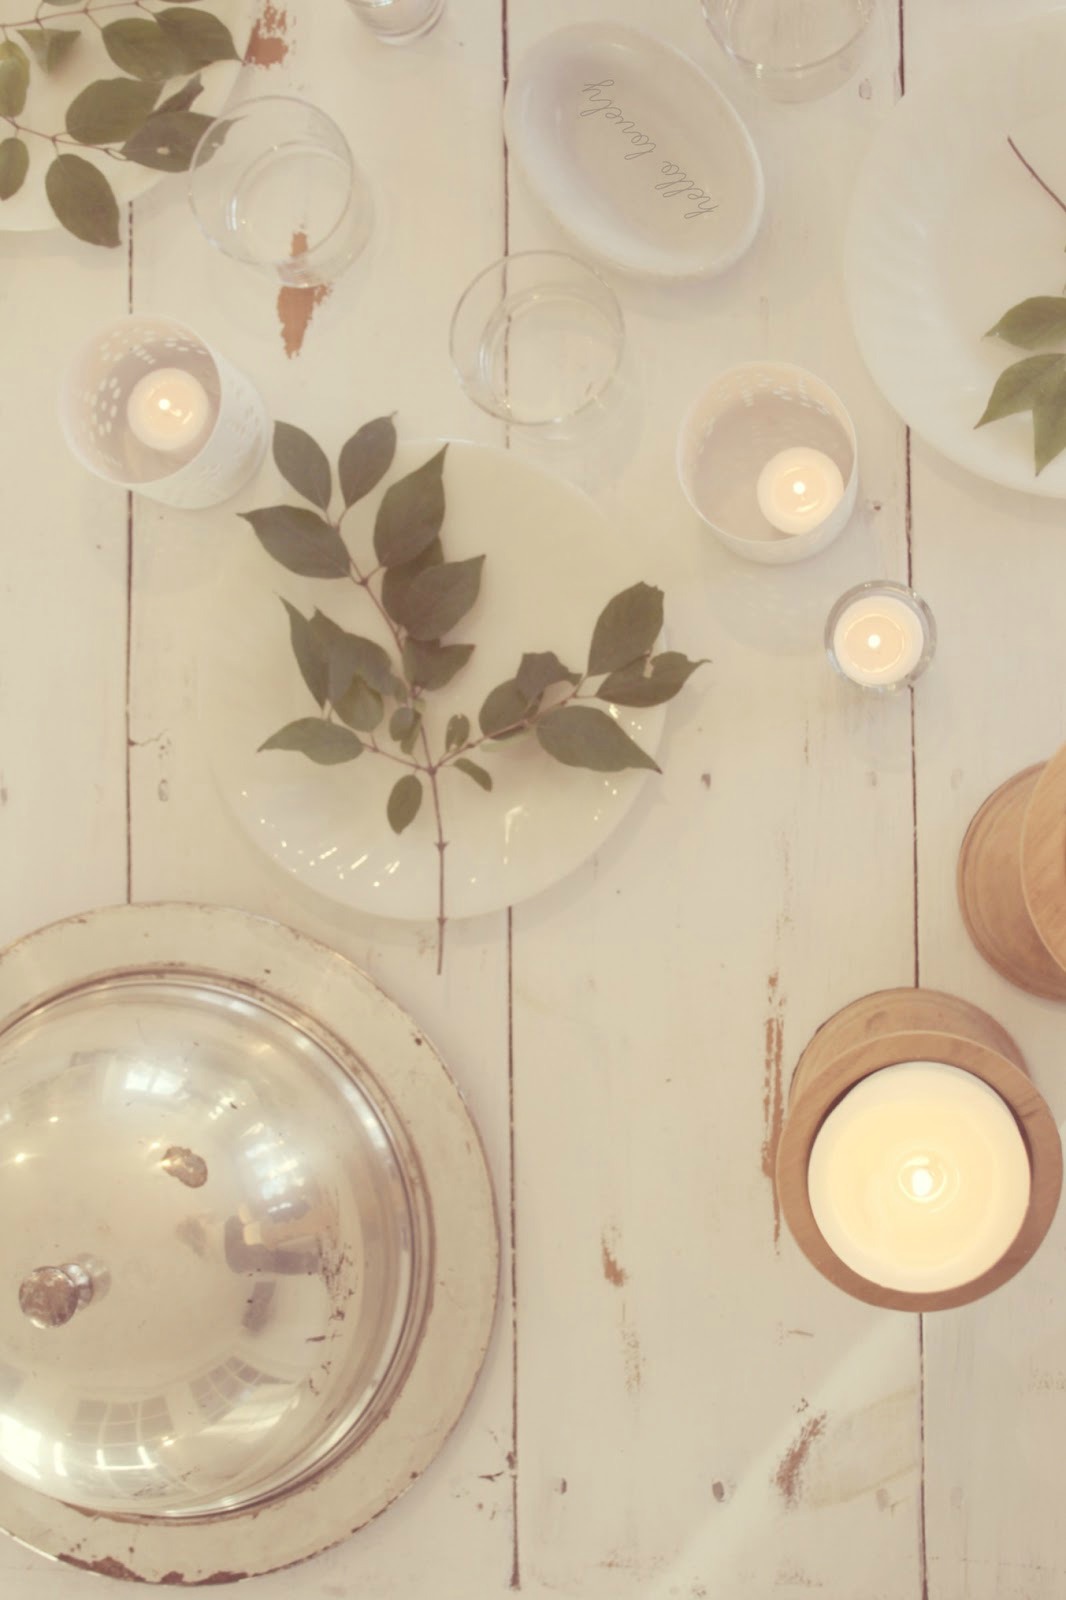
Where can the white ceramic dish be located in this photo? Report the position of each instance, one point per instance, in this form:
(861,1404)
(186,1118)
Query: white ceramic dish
(551,565)
(635,151)
(938,249)
(51,93)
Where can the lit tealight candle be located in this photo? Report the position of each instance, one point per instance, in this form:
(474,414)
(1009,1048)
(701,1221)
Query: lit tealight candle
(168,410)
(798,488)
(879,634)
(919,1178)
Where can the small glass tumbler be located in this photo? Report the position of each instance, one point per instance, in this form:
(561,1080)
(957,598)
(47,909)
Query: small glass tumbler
(398,21)
(793,49)
(273,183)
(881,636)
(146,404)
(537,339)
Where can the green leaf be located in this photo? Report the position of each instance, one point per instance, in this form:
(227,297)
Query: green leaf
(50,46)
(366,458)
(429,665)
(167,139)
(404,726)
(302,463)
(472,770)
(404,802)
(183,98)
(539,671)
(410,514)
(139,46)
(1033,323)
(1036,384)
(14,164)
(309,652)
(300,540)
(504,708)
(82,200)
(628,627)
(322,742)
(458,732)
(440,597)
(350,656)
(14,78)
(648,683)
(360,706)
(109,110)
(397,581)
(198,37)
(582,736)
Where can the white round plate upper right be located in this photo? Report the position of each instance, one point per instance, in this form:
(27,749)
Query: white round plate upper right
(948,231)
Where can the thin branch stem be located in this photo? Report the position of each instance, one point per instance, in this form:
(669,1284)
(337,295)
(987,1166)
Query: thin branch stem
(1031,170)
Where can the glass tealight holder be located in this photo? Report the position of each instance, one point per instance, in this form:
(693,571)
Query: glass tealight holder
(881,636)
(397,21)
(147,405)
(273,183)
(537,340)
(792,49)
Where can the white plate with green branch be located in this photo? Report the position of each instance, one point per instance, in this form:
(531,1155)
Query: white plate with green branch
(99,98)
(352,698)
(949,230)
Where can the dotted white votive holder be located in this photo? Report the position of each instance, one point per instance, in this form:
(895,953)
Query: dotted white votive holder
(93,403)
(749,414)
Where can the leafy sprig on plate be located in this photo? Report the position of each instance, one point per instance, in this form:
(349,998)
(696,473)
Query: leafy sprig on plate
(373,700)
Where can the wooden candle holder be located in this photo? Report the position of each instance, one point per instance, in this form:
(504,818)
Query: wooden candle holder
(1012,879)
(882,1030)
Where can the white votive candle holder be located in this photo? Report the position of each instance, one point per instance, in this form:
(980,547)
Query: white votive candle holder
(737,449)
(880,636)
(147,405)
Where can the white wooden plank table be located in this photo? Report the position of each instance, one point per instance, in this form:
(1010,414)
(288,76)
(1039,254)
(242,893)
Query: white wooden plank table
(675,1405)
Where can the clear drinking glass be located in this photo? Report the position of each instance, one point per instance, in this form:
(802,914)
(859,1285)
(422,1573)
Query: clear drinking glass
(537,339)
(273,183)
(398,21)
(793,49)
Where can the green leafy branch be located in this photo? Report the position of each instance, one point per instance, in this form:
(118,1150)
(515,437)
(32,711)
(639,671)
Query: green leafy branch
(1037,383)
(123,118)
(372,702)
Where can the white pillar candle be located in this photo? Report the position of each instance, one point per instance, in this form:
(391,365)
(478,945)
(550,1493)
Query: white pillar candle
(168,410)
(878,640)
(919,1178)
(798,488)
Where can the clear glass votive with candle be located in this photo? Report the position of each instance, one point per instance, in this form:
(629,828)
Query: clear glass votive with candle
(274,184)
(881,636)
(767,456)
(146,404)
(792,49)
(398,21)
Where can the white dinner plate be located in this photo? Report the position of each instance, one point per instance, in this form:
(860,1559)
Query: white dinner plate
(51,93)
(552,563)
(948,231)
(635,151)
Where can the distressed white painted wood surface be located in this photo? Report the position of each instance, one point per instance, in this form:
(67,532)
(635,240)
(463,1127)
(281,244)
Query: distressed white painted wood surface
(687,1410)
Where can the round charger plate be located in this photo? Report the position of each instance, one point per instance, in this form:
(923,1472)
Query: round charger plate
(551,564)
(938,250)
(282,1210)
(635,151)
(86,62)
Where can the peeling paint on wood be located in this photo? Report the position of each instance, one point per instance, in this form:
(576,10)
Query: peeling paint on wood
(296,306)
(773,1100)
(614,1273)
(633,1359)
(788,1479)
(268,46)
(106,1567)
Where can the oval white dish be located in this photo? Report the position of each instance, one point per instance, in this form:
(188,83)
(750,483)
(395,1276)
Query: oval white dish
(635,151)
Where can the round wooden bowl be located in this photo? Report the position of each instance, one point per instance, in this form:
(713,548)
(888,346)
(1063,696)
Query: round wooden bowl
(882,1030)
(1012,879)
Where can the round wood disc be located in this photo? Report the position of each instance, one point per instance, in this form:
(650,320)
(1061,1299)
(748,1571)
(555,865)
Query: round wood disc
(1043,861)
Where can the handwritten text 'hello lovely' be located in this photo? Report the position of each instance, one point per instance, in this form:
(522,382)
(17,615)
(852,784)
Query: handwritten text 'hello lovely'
(675,182)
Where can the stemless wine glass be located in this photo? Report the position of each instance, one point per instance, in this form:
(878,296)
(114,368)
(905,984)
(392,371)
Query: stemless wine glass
(537,339)
(273,183)
(793,49)
(398,21)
